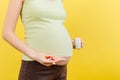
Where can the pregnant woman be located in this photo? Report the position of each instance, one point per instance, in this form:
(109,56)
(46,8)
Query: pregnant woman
(48,46)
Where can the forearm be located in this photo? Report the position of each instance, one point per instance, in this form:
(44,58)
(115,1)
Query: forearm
(14,41)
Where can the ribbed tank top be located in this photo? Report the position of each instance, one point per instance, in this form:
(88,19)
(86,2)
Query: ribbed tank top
(44,28)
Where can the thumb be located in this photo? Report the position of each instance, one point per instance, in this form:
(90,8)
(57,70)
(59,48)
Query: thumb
(59,59)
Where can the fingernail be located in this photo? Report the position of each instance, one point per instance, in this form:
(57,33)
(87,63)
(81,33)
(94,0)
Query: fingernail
(63,58)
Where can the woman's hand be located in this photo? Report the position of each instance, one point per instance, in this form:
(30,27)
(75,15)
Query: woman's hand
(41,58)
(73,43)
(65,62)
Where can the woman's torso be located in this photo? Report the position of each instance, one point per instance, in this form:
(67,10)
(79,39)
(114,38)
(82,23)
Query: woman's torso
(44,28)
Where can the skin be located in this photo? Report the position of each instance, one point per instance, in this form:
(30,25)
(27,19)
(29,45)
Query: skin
(8,34)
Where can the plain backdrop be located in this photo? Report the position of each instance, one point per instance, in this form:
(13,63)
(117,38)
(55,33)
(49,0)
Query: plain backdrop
(97,22)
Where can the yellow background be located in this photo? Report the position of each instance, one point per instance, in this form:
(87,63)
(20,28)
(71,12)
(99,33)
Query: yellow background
(97,22)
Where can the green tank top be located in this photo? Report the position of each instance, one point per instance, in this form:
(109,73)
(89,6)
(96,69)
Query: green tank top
(44,28)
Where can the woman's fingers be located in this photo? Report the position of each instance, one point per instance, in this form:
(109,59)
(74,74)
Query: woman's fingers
(58,59)
(47,61)
(47,64)
(54,59)
(73,43)
(82,43)
(63,62)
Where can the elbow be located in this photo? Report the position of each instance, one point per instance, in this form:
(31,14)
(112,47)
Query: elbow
(3,35)
(6,35)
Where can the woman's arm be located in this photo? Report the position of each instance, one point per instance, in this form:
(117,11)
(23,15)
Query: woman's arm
(8,34)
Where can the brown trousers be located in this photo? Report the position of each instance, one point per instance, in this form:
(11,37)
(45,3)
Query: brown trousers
(33,70)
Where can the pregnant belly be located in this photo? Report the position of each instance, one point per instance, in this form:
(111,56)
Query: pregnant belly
(53,40)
